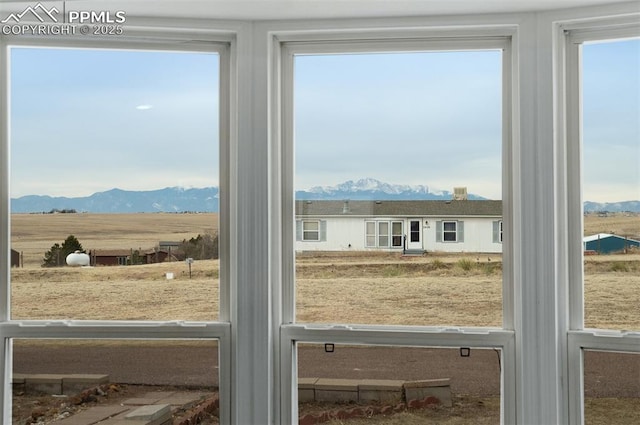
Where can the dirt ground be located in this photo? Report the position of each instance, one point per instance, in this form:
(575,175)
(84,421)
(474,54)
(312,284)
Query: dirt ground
(43,409)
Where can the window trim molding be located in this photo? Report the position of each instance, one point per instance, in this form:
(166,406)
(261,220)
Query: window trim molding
(401,336)
(262,335)
(283,48)
(148,39)
(568,38)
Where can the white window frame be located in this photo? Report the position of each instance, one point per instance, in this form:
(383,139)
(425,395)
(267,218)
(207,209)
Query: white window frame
(174,38)
(542,335)
(382,234)
(284,47)
(397,235)
(377,235)
(368,235)
(570,36)
(445,231)
(496,236)
(305,231)
(417,233)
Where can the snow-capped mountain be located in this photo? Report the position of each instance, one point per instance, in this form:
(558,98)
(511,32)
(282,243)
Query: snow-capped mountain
(372,189)
(626,206)
(178,199)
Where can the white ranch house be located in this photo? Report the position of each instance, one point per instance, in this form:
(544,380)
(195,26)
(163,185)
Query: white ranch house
(397,226)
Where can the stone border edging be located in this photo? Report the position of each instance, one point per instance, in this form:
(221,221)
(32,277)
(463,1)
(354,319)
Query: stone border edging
(367,411)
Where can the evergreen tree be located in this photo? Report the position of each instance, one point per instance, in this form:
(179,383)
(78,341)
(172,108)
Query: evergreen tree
(52,257)
(70,245)
(57,255)
(202,247)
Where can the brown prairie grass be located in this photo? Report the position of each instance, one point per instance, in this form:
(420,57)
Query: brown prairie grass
(117,293)
(486,411)
(465,410)
(611,411)
(34,234)
(624,224)
(361,287)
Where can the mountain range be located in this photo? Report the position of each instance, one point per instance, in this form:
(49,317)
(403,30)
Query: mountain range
(177,199)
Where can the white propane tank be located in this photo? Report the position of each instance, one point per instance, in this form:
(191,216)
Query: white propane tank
(77,259)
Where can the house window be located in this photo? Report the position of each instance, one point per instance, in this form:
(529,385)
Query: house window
(161,103)
(603,143)
(379,92)
(377,234)
(396,234)
(610,128)
(361,361)
(132,95)
(450,231)
(310,230)
(415,231)
(383,233)
(497,231)
(370,234)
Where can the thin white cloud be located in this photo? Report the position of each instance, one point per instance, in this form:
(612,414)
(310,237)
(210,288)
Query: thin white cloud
(143,107)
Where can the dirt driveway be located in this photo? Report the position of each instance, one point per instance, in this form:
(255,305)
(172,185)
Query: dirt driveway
(606,374)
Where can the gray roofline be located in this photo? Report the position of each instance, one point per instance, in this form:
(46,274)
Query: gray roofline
(400,209)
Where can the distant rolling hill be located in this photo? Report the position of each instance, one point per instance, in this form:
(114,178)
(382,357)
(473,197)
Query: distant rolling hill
(177,199)
(626,206)
(170,199)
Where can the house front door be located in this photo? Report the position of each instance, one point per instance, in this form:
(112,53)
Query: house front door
(414,236)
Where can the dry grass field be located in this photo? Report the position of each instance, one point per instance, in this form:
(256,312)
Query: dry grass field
(436,289)
(624,224)
(34,234)
(369,288)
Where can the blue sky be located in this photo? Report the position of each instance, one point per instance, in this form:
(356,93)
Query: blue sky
(86,121)
(412,118)
(611,116)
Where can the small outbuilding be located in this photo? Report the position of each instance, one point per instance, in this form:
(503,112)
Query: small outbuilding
(110,257)
(157,256)
(15,258)
(606,243)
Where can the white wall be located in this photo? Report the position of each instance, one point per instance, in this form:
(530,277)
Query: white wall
(478,236)
(348,234)
(343,234)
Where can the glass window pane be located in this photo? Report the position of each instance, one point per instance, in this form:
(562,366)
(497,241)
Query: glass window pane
(447,386)
(611,388)
(611,183)
(76,379)
(371,227)
(311,236)
(122,167)
(399,114)
(311,225)
(397,227)
(415,231)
